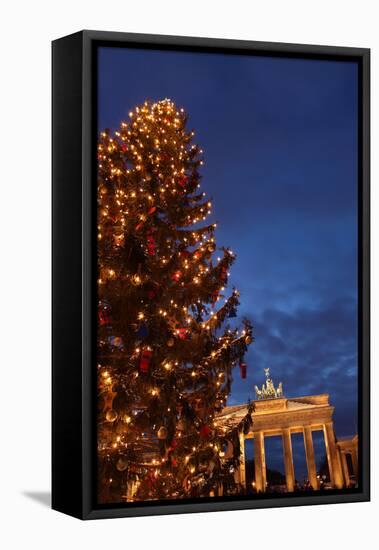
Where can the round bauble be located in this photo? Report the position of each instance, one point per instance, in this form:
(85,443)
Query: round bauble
(136,280)
(162,432)
(170,342)
(111,415)
(248,339)
(121,464)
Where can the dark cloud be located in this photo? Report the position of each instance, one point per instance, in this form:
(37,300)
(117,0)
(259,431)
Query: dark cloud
(312,351)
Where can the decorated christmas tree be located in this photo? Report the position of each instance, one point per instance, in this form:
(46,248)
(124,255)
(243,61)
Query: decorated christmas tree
(165,352)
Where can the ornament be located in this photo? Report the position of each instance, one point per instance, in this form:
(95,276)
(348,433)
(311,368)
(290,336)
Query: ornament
(116,341)
(124,147)
(111,415)
(145,360)
(136,280)
(162,432)
(121,464)
(176,276)
(151,290)
(214,297)
(182,182)
(150,244)
(205,431)
(243,369)
(142,331)
(152,210)
(183,333)
(118,239)
(104,313)
(248,339)
(170,342)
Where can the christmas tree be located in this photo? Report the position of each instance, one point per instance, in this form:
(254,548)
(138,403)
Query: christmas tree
(165,356)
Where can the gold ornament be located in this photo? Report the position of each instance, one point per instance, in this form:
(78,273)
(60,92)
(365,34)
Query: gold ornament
(170,342)
(122,464)
(248,339)
(111,415)
(162,432)
(136,280)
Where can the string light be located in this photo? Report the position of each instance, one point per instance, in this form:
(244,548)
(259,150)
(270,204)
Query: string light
(141,201)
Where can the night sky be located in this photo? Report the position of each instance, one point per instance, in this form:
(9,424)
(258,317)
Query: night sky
(280,147)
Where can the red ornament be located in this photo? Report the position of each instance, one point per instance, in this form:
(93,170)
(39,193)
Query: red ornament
(182,333)
(214,297)
(224,273)
(139,225)
(124,147)
(185,254)
(152,210)
(176,276)
(145,360)
(243,369)
(150,244)
(104,314)
(182,182)
(205,431)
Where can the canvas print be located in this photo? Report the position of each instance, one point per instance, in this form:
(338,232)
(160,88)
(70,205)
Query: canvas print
(227,316)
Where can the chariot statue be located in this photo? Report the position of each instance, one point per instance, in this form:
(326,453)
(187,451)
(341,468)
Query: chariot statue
(268,390)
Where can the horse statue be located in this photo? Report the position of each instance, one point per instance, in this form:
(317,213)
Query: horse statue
(258,392)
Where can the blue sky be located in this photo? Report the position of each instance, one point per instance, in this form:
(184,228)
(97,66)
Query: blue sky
(280,144)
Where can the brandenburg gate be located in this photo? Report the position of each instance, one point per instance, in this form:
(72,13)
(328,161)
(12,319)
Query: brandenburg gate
(276,415)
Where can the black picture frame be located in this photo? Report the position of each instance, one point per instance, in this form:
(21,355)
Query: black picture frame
(74,134)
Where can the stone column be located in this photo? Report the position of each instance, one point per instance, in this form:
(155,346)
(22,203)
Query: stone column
(288,459)
(259,462)
(354,460)
(310,456)
(345,469)
(242,467)
(335,470)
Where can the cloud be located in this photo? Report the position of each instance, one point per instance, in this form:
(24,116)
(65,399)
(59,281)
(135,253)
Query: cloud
(311,351)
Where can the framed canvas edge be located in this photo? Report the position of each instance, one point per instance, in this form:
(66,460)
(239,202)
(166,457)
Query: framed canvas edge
(90,39)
